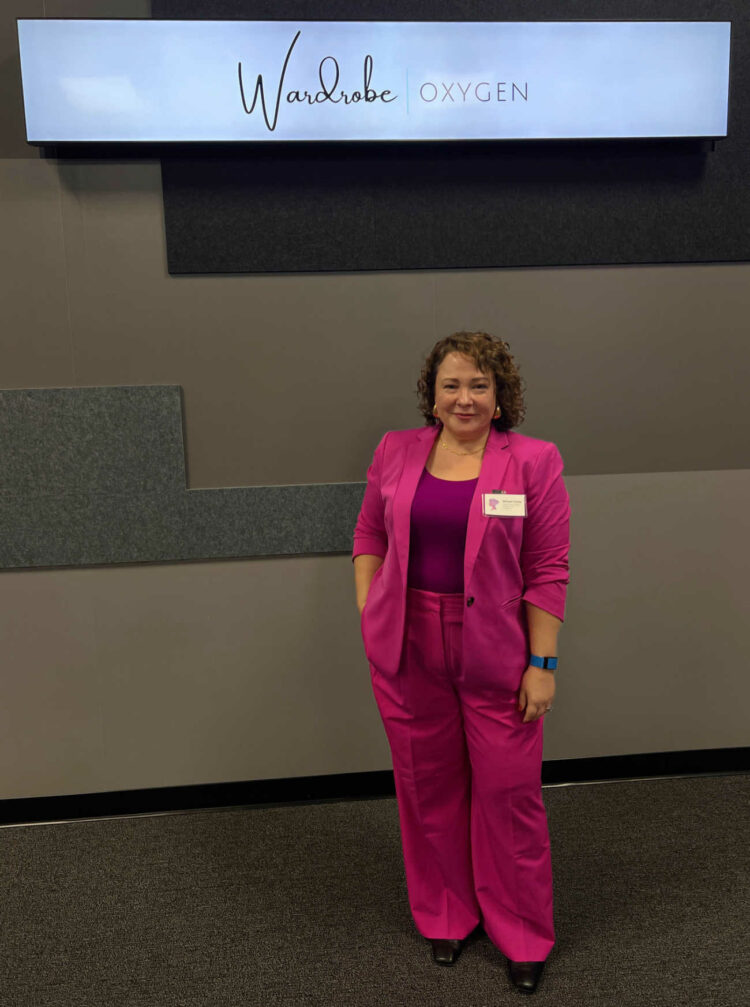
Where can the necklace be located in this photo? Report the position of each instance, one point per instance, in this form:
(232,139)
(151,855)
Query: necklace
(474,452)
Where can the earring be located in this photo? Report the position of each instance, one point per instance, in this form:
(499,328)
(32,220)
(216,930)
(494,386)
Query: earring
(497,412)
(434,411)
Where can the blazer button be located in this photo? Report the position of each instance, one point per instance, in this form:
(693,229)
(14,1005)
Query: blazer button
(469,602)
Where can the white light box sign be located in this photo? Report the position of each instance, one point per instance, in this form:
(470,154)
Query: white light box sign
(214,81)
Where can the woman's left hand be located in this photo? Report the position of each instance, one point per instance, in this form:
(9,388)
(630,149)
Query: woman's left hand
(536,693)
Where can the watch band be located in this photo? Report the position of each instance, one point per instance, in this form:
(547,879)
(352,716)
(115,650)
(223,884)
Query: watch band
(543,662)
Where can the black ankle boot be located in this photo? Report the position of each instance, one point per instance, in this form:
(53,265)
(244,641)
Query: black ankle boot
(525,975)
(445,952)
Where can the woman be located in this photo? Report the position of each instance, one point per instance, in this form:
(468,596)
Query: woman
(461,565)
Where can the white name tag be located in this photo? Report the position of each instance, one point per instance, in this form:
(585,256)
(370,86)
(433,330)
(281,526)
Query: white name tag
(504,504)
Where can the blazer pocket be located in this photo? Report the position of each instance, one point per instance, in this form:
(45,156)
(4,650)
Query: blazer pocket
(369,592)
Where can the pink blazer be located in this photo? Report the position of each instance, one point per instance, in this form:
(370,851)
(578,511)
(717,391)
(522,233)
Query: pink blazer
(507,560)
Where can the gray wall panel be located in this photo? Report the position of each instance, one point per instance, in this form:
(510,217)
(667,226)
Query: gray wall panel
(91,440)
(97,475)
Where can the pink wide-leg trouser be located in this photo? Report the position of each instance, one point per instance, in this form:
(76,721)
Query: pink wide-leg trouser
(468,783)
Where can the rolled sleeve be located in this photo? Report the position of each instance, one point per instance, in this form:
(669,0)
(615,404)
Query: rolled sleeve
(546,535)
(370,536)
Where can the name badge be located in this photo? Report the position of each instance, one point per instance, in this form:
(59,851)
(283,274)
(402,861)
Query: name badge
(504,504)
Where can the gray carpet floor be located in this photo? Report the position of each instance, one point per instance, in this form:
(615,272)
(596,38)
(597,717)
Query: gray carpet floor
(306,905)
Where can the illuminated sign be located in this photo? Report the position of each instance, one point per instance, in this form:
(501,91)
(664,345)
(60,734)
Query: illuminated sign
(200,81)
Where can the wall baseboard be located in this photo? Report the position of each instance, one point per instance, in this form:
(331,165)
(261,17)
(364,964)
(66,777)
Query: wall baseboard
(348,786)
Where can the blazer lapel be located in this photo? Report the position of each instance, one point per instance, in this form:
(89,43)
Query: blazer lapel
(416,456)
(491,475)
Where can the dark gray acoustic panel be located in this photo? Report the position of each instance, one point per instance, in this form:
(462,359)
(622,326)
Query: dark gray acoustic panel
(94,476)
(316,207)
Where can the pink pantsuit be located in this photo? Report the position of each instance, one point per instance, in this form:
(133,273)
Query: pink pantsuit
(446,669)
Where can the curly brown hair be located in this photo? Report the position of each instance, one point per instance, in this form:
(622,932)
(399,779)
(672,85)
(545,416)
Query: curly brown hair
(493,357)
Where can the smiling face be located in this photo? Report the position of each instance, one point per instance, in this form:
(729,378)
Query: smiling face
(464,397)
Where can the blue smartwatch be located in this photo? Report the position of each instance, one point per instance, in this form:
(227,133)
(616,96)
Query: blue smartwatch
(543,662)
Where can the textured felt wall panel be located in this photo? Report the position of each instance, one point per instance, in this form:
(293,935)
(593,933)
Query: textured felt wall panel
(367,207)
(97,475)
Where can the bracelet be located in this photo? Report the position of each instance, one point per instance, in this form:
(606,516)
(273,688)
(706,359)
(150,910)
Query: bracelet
(543,662)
